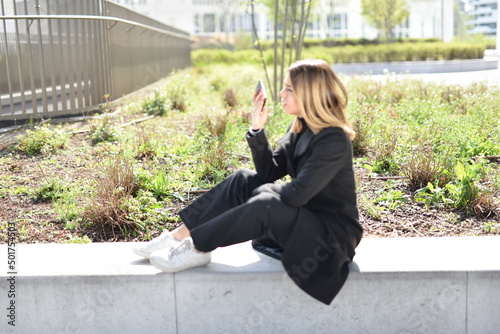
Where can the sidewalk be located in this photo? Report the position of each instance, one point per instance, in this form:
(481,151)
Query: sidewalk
(492,77)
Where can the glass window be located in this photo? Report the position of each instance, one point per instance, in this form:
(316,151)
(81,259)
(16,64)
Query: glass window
(246,22)
(209,23)
(337,23)
(196,23)
(222,24)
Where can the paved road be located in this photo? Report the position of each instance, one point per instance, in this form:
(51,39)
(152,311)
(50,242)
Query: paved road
(465,78)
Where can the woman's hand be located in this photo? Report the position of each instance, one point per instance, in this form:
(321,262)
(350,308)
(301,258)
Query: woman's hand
(259,112)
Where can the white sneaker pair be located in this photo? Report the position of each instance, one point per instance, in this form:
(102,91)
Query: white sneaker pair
(171,255)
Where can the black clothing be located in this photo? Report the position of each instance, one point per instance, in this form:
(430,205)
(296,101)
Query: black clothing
(314,218)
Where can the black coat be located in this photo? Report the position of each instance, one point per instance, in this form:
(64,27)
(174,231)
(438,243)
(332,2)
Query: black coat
(327,230)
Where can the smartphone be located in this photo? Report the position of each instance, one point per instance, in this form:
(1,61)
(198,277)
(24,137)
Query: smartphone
(261,87)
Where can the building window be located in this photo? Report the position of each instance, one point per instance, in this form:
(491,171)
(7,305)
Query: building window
(222,24)
(209,23)
(196,23)
(337,21)
(246,22)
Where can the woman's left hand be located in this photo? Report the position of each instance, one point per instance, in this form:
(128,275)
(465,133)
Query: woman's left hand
(259,111)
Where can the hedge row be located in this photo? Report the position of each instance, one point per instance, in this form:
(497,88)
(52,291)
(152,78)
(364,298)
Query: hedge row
(398,52)
(352,54)
(331,42)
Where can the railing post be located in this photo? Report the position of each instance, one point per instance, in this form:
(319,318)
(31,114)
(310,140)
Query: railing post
(73,61)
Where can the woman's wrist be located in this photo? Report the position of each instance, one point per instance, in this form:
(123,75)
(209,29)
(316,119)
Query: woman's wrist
(254,131)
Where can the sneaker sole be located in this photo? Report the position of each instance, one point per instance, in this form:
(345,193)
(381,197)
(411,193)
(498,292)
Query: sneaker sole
(147,254)
(142,253)
(175,270)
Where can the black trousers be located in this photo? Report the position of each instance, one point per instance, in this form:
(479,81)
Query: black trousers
(230,213)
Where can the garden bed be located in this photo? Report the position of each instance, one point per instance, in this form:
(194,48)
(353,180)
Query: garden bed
(425,160)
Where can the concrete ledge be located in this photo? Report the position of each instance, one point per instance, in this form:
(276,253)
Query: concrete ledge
(416,67)
(410,285)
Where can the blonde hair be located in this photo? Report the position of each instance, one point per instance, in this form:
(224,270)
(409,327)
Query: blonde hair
(321,96)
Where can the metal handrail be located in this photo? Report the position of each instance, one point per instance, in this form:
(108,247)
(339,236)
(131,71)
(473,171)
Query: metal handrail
(94,17)
(71,63)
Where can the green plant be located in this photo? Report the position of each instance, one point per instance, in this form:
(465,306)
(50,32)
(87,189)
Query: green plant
(146,146)
(156,105)
(44,138)
(491,227)
(158,184)
(362,124)
(461,192)
(150,215)
(391,199)
(385,160)
(79,240)
(464,190)
(230,98)
(106,211)
(476,146)
(178,97)
(340,53)
(424,167)
(51,190)
(432,195)
(68,209)
(372,211)
(212,145)
(103,130)
(63,198)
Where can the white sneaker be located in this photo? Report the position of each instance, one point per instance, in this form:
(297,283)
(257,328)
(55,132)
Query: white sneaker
(163,241)
(182,257)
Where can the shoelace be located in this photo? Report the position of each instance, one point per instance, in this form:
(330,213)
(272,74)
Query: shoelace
(185,246)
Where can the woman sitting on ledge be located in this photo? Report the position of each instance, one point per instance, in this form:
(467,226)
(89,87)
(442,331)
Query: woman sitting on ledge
(310,222)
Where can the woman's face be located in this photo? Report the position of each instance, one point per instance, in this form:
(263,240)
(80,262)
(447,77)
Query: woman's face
(288,99)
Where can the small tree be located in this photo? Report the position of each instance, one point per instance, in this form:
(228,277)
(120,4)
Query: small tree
(385,15)
(459,22)
(290,19)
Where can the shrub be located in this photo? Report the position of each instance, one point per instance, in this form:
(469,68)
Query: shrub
(103,130)
(362,123)
(485,205)
(424,167)
(350,53)
(230,98)
(462,192)
(178,96)
(385,161)
(106,211)
(212,145)
(43,139)
(156,105)
(146,146)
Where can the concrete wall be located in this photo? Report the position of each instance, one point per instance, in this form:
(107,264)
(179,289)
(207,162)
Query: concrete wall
(414,285)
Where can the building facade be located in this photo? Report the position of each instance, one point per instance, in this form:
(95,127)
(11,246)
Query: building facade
(484,17)
(224,19)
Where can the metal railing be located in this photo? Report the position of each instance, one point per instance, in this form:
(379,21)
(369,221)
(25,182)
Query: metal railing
(65,57)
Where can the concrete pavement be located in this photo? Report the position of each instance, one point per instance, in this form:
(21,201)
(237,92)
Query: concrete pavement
(492,77)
